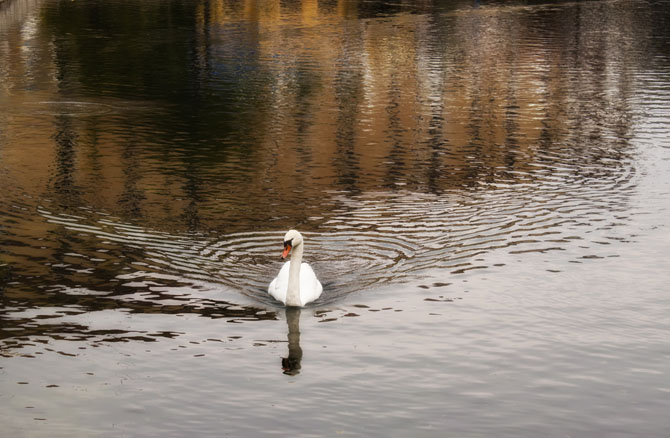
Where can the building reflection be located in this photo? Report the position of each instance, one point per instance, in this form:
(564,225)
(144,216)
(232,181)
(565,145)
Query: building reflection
(63,183)
(276,101)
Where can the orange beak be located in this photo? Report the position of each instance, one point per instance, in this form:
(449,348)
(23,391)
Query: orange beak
(287,250)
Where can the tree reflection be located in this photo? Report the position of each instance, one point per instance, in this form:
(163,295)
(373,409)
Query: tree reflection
(230,114)
(65,166)
(253,115)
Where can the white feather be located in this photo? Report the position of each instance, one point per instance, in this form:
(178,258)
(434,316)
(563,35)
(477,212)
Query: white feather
(305,288)
(310,286)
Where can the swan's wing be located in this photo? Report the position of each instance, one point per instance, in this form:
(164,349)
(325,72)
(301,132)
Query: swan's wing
(279,285)
(310,286)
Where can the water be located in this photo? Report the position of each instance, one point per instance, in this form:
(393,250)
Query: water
(483,189)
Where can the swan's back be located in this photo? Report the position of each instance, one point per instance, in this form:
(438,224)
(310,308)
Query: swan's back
(310,286)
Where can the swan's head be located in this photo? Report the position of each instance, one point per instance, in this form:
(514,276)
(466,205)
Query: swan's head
(291,240)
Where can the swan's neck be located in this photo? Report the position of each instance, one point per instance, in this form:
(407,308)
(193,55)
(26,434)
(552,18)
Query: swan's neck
(293,292)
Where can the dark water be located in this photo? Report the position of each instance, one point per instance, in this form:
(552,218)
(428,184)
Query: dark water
(484,189)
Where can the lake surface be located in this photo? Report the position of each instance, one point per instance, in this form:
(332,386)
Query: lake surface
(484,189)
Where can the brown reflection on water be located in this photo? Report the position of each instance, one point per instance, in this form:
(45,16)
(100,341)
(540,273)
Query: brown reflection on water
(487,184)
(278,102)
(259,116)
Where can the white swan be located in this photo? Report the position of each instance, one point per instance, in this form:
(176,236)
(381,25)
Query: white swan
(296,284)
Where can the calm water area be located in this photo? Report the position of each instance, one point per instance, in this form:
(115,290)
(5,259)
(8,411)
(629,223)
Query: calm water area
(483,186)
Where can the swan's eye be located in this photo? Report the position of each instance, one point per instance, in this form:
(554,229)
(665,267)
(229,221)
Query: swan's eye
(288,243)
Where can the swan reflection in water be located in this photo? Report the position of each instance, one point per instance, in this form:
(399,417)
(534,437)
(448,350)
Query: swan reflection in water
(291,365)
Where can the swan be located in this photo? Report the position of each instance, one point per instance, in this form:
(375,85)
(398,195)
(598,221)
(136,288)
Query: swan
(296,284)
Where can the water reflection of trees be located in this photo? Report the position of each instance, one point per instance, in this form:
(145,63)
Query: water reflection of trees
(63,178)
(277,101)
(240,115)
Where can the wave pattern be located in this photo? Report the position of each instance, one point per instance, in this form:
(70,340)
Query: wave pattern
(372,239)
(401,146)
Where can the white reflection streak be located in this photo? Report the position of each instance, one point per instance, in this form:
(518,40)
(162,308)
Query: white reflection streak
(16,11)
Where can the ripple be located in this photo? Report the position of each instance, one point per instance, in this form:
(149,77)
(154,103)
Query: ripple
(373,239)
(69,108)
(418,157)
